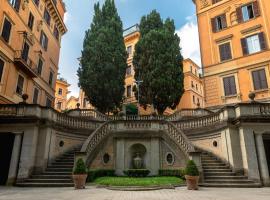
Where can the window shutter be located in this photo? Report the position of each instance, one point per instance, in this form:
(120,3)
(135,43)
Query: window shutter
(221,52)
(263,79)
(1,69)
(214,25)
(226,86)
(228,51)
(262,41)
(233,85)
(256,80)
(244,46)
(239,15)
(224,20)
(17,5)
(6,30)
(256,9)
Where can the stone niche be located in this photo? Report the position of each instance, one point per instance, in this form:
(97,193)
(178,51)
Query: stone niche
(147,148)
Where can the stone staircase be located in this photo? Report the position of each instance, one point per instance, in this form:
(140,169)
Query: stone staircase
(57,174)
(219,174)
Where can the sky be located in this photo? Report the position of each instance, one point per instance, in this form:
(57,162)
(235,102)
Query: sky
(79,17)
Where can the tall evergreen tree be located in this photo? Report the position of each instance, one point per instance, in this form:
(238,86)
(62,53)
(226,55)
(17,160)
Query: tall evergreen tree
(103,61)
(158,63)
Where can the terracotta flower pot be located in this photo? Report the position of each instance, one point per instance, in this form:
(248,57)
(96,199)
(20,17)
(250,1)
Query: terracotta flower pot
(79,180)
(192,182)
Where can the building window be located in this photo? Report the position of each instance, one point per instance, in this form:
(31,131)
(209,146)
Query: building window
(196,87)
(219,23)
(31,21)
(225,52)
(55,2)
(56,32)
(106,158)
(194,101)
(60,91)
(129,51)
(47,17)
(169,158)
(43,40)
(248,12)
(40,66)
(25,51)
(20,82)
(229,86)
(192,84)
(36,2)
(2,63)
(35,96)
(259,79)
(253,44)
(59,105)
(51,78)
(215,1)
(6,30)
(15,4)
(128,70)
(48,102)
(191,69)
(129,91)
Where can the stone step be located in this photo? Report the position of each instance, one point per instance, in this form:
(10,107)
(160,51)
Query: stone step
(210,173)
(25,184)
(57,173)
(62,163)
(231,185)
(224,177)
(214,167)
(55,176)
(217,170)
(52,169)
(33,180)
(60,166)
(64,160)
(233,181)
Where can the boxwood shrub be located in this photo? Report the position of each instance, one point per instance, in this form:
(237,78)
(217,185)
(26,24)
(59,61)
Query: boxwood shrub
(96,173)
(137,172)
(172,172)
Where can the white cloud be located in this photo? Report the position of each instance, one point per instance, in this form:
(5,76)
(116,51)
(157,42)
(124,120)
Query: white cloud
(190,40)
(66,17)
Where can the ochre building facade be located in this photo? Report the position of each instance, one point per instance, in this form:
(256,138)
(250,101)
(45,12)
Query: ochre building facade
(61,94)
(234,39)
(30,38)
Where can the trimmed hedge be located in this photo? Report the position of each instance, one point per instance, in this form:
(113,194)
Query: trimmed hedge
(172,172)
(137,172)
(80,167)
(96,173)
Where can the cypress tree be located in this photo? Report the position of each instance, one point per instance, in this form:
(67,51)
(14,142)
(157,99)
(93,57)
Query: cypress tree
(158,63)
(103,61)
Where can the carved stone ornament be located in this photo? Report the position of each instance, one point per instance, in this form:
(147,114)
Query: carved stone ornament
(204,3)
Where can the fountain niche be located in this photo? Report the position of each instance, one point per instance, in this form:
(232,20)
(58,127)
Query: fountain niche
(137,153)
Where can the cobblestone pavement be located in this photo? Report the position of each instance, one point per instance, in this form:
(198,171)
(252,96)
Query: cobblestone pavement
(91,193)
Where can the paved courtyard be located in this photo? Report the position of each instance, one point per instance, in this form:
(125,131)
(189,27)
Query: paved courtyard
(91,193)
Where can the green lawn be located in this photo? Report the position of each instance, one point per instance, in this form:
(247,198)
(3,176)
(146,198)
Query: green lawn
(147,181)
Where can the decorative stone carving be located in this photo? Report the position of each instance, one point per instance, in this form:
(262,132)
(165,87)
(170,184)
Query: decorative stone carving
(204,3)
(137,162)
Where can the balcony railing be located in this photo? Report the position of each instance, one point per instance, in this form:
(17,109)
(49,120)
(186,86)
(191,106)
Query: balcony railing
(25,64)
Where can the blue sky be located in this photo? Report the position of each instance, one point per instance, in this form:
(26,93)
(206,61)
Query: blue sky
(79,16)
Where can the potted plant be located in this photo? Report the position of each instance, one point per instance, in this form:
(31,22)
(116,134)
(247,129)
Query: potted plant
(192,175)
(79,174)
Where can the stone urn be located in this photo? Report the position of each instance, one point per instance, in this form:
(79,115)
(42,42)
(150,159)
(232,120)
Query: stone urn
(79,180)
(137,162)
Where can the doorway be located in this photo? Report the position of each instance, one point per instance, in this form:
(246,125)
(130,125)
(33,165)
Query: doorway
(267,151)
(6,146)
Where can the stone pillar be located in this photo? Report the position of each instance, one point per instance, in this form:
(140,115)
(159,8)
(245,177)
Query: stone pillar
(233,150)
(120,157)
(15,158)
(262,160)
(154,156)
(28,153)
(249,155)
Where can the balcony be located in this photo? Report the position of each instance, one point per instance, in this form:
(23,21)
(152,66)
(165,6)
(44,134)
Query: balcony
(25,64)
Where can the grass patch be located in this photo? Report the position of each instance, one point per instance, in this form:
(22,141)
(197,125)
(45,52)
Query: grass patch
(132,181)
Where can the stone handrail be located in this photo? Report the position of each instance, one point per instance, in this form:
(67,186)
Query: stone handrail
(89,113)
(200,122)
(36,111)
(138,117)
(125,126)
(188,113)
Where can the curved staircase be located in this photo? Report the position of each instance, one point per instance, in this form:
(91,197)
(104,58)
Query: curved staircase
(57,174)
(219,174)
